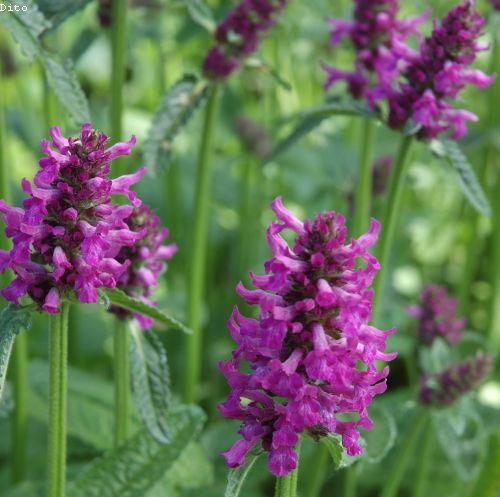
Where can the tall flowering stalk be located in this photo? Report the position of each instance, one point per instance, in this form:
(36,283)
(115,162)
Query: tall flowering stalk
(305,347)
(237,36)
(65,241)
(430,80)
(378,37)
(437,318)
(146,261)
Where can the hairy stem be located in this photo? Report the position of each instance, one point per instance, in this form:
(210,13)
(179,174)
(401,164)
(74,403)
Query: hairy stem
(318,472)
(58,357)
(406,449)
(390,218)
(198,255)
(363,199)
(19,421)
(286,486)
(121,380)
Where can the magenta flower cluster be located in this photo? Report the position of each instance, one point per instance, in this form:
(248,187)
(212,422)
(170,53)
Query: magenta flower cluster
(238,36)
(378,37)
(145,259)
(437,316)
(68,235)
(419,85)
(312,353)
(435,77)
(447,386)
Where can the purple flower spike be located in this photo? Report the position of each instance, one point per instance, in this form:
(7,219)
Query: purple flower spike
(437,316)
(496,4)
(447,386)
(66,237)
(438,73)
(145,259)
(312,352)
(378,37)
(238,36)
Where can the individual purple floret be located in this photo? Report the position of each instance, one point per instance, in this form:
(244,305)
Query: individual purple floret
(437,316)
(238,36)
(438,73)
(378,37)
(67,236)
(446,387)
(312,353)
(146,261)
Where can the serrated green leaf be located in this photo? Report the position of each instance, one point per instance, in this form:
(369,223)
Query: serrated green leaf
(121,299)
(340,459)
(13,320)
(150,381)
(191,470)
(411,128)
(467,178)
(66,86)
(462,438)
(382,437)
(57,11)
(25,37)
(6,402)
(176,109)
(436,357)
(236,477)
(90,404)
(200,13)
(311,119)
(133,468)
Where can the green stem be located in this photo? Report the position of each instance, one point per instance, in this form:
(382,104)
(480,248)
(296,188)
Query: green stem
(318,471)
(362,206)
(118,53)
(350,473)
(198,255)
(286,486)
(406,449)
(19,421)
(121,380)
(58,357)
(424,460)
(390,218)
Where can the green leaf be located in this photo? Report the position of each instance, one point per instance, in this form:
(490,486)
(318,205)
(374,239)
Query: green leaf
(311,119)
(382,437)
(462,437)
(66,86)
(150,381)
(192,469)
(90,404)
(121,299)
(57,11)
(200,13)
(133,468)
(466,177)
(26,27)
(236,477)
(13,320)
(436,357)
(6,402)
(340,459)
(411,128)
(176,109)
